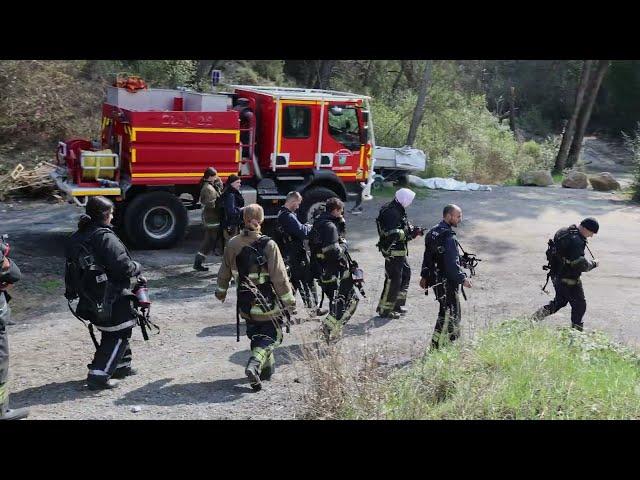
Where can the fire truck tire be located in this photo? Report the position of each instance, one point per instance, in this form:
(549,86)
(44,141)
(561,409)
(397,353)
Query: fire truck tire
(155,220)
(311,200)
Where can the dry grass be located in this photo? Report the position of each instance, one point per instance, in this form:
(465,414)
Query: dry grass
(341,383)
(515,370)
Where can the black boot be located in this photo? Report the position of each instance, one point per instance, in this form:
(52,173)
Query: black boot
(401,310)
(100,382)
(577,326)
(540,314)
(253,374)
(124,372)
(7,413)
(197,263)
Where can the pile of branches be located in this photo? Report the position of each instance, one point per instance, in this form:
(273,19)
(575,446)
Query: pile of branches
(34,181)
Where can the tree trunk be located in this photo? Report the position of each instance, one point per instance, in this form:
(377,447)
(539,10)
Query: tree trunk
(585,113)
(203,69)
(570,130)
(418,112)
(325,69)
(367,74)
(407,69)
(396,83)
(512,109)
(310,68)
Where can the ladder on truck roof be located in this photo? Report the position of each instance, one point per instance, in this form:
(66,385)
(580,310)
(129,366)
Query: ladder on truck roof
(302,93)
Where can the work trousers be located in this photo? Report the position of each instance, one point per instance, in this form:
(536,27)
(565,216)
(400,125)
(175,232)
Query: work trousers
(301,277)
(397,275)
(113,353)
(447,328)
(5,314)
(265,338)
(343,300)
(210,241)
(572,294)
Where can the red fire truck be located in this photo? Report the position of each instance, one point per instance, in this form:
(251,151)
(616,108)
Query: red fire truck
(156,144)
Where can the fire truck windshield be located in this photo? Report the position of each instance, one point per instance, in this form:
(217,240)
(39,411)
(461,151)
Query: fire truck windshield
(343,126)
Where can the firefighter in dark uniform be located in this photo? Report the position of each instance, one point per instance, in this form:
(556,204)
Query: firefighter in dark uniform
(331,266)
(209,194)
(570,244)
(9,274)
(113,354)
(441,270)
(395,231)
(232,204)
(291,243)
(263,291)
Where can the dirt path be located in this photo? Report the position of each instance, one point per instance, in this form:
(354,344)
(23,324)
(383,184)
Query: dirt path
(194,368)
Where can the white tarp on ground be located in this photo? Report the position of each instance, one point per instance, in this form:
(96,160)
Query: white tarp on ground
(404,158)
(445,184)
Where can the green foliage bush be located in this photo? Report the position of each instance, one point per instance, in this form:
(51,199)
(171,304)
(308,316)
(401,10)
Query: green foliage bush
(533,121)
(461,137)
(43,101)
(515,370)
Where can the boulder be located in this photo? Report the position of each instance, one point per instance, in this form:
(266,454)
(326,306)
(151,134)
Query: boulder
(604,182)
(538,178)
(575,179)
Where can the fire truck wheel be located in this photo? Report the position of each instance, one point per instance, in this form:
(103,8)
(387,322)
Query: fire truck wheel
(313,199)
(155,220)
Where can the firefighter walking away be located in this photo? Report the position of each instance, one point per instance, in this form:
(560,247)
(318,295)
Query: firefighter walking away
(333,266)
(264,294)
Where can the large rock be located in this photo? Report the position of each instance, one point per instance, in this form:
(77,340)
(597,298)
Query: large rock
(575,179)
(604,182)
(538,178)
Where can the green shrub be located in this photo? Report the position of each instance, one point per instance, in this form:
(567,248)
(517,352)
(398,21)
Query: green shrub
(45,101)
(531,149)
(461,137)
(515,370)
(533,121)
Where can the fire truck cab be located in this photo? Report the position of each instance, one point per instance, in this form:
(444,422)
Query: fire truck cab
(156,143)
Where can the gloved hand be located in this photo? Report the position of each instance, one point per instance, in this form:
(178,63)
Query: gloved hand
(594,264)
(138,268)
(220,295)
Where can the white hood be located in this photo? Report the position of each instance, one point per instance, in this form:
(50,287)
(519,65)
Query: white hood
(404,196)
